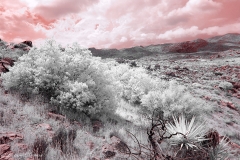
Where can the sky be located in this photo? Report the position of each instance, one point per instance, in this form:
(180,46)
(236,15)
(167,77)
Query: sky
(116,23)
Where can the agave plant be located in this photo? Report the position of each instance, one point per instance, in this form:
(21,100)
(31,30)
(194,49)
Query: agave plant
(186,135)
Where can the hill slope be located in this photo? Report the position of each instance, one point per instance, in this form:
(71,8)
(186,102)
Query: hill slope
(214,44)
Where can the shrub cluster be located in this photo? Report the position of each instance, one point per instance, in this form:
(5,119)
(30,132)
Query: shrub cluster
(140,89)
(70,78)
(73,78)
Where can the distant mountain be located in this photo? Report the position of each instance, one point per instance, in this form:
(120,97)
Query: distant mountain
(128,53)
(214,44)
(227,38)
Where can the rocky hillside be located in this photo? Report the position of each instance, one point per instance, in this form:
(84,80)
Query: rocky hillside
(208,69)
(211,45)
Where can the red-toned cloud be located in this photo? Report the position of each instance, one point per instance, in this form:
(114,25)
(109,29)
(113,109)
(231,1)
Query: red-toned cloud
(16,24)
(119,24)
(59,8)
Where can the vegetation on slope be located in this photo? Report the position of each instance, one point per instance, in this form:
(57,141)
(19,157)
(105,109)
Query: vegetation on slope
(71,80)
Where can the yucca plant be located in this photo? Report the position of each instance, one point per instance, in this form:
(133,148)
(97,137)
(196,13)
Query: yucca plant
(186,135)
(221,151)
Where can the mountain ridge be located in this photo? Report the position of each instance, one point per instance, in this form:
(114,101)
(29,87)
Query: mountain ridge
(213,44)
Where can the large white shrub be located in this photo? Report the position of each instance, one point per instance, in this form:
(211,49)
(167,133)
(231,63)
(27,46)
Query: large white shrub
(140,89)
(70,78)
(132,83)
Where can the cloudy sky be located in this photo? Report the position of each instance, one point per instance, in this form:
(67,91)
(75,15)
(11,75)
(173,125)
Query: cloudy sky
(116,23)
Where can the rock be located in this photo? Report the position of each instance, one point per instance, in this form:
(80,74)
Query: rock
(22,147)
(90,145)
(29,43)
(46,126)
(35,120)
(236,85)
(234,90)
(7,156)
(149,68)
(197,85)
(234,145)
(56,116)
(4,148)
(231,106)
(4,139)
(157,66)
(10,136)
(218,73)
(20,45)
(108,151)
(8,61)
(228,104)
(172,74)
(133,64)
(77,123)
(4,66)
(119,145)
(207,98)
(24,44)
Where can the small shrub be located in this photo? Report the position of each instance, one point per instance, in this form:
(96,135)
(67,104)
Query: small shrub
(59,139)
(221,151)
(63,140)
(39,149)
(133,64)
(225,85)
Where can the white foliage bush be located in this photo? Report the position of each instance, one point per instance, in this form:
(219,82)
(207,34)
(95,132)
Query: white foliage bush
(174,99)
(149,93)
(132,83)
(70,78)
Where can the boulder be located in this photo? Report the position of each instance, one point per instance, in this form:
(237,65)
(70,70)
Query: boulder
(29,43)
(25,45)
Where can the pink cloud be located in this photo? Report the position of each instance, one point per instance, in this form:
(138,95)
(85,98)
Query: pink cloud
(60,8)
(2,9)
(120,24)
(18,25)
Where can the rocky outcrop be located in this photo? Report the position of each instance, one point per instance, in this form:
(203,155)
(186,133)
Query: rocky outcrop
(5,148)
(188,46)
(5,64)
(25,45)
(29,43)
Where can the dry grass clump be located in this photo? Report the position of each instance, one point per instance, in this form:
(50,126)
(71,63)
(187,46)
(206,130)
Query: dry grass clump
(39,149)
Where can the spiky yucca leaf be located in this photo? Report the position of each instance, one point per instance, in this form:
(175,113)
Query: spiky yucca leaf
(191,133)
(221,151)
